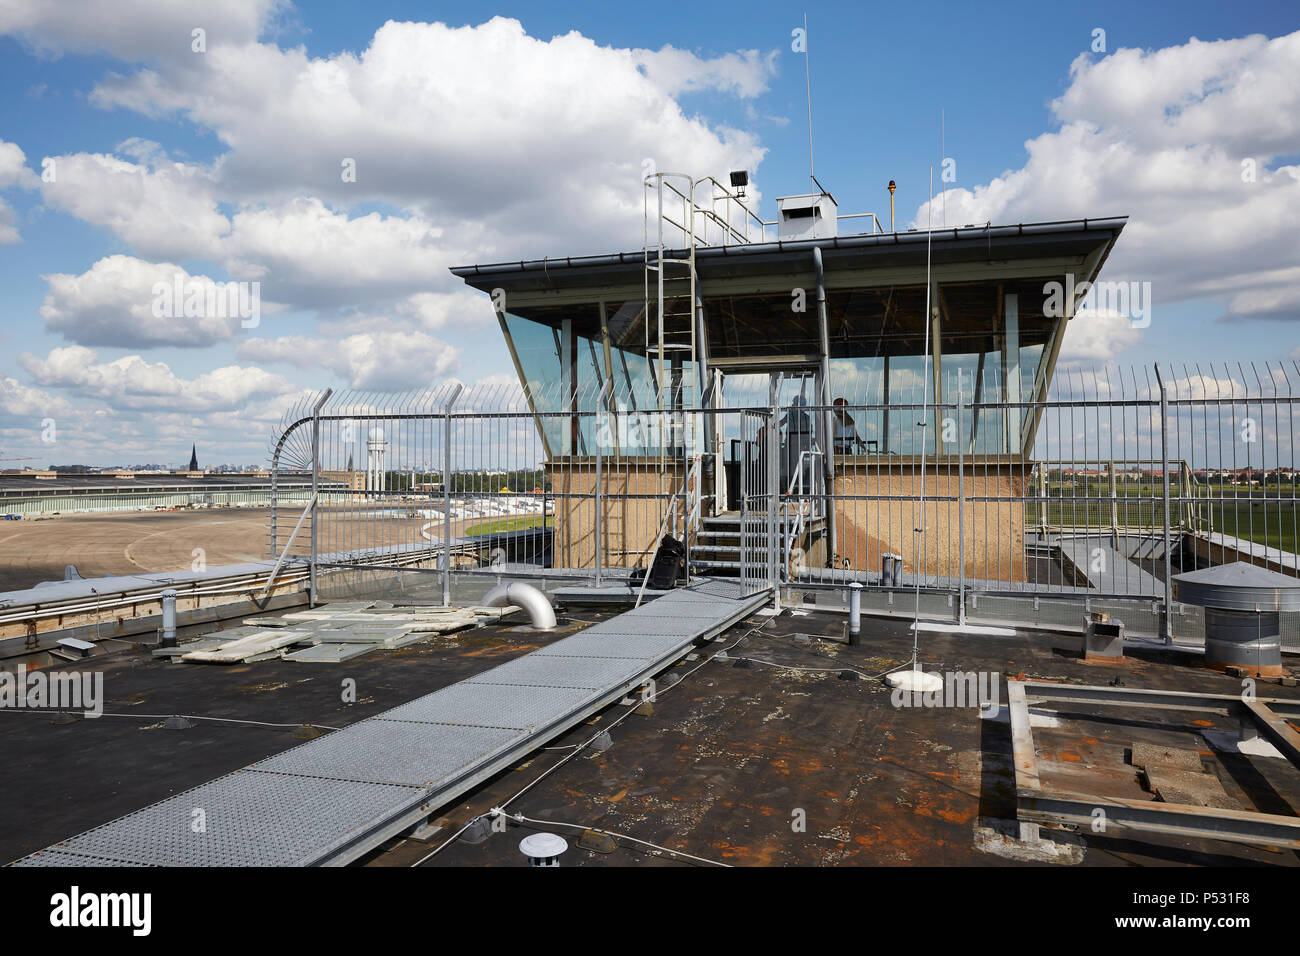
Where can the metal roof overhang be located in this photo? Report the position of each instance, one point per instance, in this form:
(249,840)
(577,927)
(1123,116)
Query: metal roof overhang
(771,264)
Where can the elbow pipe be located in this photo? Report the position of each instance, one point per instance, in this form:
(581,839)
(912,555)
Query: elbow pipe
(527,597)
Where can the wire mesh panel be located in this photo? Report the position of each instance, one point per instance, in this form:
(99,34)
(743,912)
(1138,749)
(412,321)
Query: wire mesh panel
(1232,432)
(1103,486)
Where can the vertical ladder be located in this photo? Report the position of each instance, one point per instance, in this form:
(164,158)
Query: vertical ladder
(670,328)
(670,290)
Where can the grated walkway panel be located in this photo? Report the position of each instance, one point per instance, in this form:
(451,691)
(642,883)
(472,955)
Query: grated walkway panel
(491,705)
(333,798)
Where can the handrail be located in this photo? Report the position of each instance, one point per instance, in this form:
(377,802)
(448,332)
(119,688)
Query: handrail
(797,477)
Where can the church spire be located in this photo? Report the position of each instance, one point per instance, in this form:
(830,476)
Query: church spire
(194,457)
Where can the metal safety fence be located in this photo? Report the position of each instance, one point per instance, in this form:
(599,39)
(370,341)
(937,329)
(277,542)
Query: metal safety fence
(888,476)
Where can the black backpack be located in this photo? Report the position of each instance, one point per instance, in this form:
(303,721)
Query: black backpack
(669,565)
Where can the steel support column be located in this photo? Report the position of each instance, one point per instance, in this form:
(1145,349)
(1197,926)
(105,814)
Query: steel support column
(446,495)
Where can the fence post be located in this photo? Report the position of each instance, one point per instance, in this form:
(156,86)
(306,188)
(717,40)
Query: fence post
(744,495)
(315,493)
(961,510)
(1114,498)
(446,495)
(773,487)
(1167,624)
(601,413)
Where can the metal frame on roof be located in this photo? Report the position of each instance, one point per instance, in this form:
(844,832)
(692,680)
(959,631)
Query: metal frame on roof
(1037,805)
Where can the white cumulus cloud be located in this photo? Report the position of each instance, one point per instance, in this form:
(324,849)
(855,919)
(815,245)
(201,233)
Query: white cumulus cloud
(385,360)
(131,382)
(1189,142)
(118,301)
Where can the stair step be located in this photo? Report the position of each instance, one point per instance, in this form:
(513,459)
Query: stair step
(731,549)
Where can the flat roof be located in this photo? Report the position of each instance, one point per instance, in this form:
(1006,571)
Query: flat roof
(968,244)
(715,768)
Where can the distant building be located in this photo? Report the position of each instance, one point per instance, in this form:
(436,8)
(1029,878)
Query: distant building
(194,458)
(352,479)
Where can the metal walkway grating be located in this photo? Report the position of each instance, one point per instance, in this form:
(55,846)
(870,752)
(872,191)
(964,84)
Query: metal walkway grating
(332,799)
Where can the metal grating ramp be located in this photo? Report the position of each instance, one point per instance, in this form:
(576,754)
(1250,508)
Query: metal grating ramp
(333,799)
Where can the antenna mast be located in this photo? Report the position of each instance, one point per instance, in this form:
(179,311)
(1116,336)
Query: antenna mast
(915,680)
(943,157)
(807,77)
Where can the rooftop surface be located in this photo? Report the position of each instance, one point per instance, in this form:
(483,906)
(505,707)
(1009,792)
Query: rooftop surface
(769,757)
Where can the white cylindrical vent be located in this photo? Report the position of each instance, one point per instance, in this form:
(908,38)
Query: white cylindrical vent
(169,618)
(855,611)
(543,849)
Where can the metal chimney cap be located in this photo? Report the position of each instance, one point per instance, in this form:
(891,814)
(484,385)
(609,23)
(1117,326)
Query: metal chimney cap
(542,846)
(1239,586)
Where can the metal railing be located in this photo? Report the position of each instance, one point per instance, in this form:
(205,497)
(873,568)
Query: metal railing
(1100,493)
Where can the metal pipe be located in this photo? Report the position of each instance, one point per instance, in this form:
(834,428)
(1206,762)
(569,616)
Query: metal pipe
(1167,625)
(169,618)
(773,483)
(828,422)
(961,510)
(527,597)
(599,442)
(446,496)
(855,612)
(315,490)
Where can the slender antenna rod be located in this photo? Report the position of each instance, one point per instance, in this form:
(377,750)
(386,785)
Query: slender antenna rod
(925,428)
(943,157)
(807,77)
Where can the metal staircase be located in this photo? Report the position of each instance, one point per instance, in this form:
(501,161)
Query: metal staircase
(723,548)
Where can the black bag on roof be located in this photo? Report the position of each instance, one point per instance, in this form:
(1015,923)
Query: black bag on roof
(669,565)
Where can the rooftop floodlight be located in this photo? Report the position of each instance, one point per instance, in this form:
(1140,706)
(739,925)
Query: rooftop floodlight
(739,180)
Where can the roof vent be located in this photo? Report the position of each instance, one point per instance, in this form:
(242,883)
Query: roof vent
(1242,614)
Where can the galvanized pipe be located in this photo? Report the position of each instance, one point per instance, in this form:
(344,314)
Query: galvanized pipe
(855,612)
(315,491)
(1167,626)
(446,496)
(828,423)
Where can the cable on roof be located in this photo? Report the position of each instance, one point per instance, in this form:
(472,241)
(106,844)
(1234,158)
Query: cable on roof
(520,818)
(578,748)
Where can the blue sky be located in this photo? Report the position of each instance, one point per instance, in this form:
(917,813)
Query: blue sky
(224,163)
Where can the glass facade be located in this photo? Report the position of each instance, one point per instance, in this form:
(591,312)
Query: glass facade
(877,341)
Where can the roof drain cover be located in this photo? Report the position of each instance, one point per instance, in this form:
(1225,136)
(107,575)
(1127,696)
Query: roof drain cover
(1242,607)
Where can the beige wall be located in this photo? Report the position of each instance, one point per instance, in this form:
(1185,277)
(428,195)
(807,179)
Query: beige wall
(866,529)
(994,531)
(629,524)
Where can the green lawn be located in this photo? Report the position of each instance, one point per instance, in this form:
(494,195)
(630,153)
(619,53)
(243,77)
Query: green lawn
(1256,514)
(519,523)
